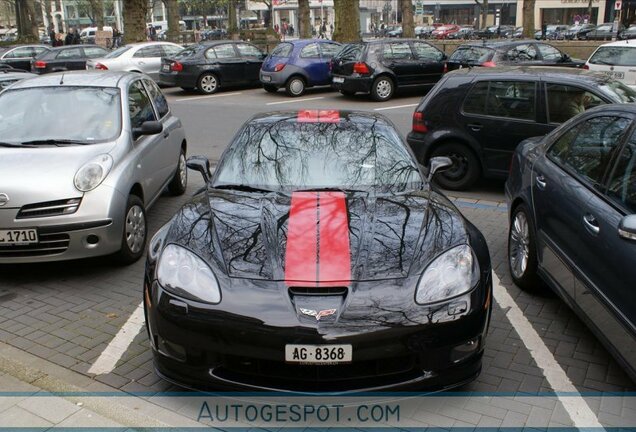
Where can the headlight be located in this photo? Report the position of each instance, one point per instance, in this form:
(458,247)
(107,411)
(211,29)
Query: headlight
(454,272)
(93,173)
(183,273)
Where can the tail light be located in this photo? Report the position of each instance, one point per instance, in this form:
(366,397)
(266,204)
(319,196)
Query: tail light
(100,66)
(419,125)
(279,67)
(489,64)
(445,67)
(176,67)
(39,64)
(586,67)
(361,68)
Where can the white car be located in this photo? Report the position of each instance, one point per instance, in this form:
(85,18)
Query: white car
(617,60)
(142,57)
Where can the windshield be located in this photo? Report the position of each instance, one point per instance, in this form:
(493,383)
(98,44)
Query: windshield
(352,52)
(117,52)
(282,50)
(615,56)
(85,114)
(618,92)
(291,154)
(472,54)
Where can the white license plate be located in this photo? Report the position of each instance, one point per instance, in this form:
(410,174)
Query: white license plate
(165,68)
(266,78)
(338,80)
(18,236)
(318,354)
(615,75)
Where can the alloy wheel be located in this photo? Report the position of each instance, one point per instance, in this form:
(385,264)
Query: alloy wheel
(135,228)
(519,245)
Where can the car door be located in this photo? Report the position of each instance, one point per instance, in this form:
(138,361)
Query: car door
(431,62)
(310,62)
(20,57)
(253,59)
(148,150)
(147,60)
(224,60)
(564,179)
(69,59)
(398,57)
(328,50)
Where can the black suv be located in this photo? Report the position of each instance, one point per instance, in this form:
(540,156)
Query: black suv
(478,116)
(509,53)
(380,67)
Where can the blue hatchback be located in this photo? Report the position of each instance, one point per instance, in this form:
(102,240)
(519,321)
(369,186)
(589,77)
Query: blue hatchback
(298,64)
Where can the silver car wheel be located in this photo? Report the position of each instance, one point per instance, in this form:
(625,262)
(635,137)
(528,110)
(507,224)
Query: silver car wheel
(383,88)
(135,228)
(519,249)
(183,170)
(209,83)
(296,86)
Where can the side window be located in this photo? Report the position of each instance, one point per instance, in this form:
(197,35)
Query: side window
(210,54)
(247,50)
(310,51)
(224,51)
(397,51)
(149,52)
(23,52)
(73,53)
(521,53)
(329,50)
(549,52)
(94,52)
(139,106)
(475,102)
(512,99)
(622,184)
(161,104)
(170,50)
(587,148)
(424,51)
(564,102)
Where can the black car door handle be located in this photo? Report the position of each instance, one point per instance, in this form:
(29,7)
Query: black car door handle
(591,224)
(166,134)
(475,127)
(540,181)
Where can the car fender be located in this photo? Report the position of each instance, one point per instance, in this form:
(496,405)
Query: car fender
(292,70)
(433,139)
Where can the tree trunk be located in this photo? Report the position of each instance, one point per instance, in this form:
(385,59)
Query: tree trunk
(232,23)
(528,18)
(484,14)
(135,20)
(589,10)
(304,23)
(408,29)
(27,21)
(97,9)
(172,10)
(347,26)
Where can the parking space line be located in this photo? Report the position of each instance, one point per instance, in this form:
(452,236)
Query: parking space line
(395,107)
(576,407)
(295,100)
(108,359)
(207,97)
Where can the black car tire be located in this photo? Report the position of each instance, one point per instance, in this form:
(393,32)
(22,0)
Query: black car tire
(134,226)
(208,83)
(179,182)
(295,86)
(382,88)
(465,169)
(270,88)
(522,246)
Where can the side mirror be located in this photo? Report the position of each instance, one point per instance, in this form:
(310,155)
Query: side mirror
(201,164)
(438,163)
(148,128)
(627,227)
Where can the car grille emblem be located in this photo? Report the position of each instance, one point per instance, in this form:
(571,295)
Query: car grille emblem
(4,198)
(318,314)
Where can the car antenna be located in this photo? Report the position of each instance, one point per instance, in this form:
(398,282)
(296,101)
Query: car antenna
(62,80)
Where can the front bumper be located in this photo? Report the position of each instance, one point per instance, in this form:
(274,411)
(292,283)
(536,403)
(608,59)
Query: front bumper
(352,84)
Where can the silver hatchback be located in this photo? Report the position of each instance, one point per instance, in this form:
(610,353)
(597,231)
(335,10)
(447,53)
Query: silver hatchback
(82,156)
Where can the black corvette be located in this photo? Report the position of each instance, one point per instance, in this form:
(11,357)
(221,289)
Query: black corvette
(318,258)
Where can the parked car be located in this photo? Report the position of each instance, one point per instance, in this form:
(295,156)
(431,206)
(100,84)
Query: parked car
(296,65)
(395,32)
(209,66)
(20,56)
(495,31)
(444,31)
(577,31)
(617,60)
(423,32)
(142,57)
(607,31)
(87,35)
(363,294)
(381,67)
(629,33)
(463,33)
(572,202)
(66,58)
(104,144)
(214,34)
(10,76)
(554,31)
(478,116)
(509,53)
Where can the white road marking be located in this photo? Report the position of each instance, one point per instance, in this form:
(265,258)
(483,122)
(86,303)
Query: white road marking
(208,97)
(395,107)
(578,410)
(295,100)
(107,360)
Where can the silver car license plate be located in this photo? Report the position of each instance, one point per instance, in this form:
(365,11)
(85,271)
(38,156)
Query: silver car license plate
(266,78)
(615,75)
(18,236)
(318,354)
(338,80)
(165,68)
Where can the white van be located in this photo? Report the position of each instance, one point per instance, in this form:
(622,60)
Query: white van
(87,35)
(617,60)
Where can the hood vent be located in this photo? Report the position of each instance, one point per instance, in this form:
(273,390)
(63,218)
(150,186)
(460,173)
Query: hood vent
(318,291)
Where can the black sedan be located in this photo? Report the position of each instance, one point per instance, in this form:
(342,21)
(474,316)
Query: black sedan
(210,66)
(318,258)
(572,203)
(72,57)
(19,56)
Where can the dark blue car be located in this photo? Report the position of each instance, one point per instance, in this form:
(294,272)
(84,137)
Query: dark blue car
(298,64)
(572,202)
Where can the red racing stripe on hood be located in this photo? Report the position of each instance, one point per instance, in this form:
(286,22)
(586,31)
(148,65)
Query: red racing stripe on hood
(301,254)
(334,259)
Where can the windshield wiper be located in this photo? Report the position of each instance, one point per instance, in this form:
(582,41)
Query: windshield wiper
(8,144)
(54,141)
(330,189)
(243,187)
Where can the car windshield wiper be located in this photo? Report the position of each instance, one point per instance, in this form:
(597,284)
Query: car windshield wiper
(54,141)
(8,144)
(331,189)
(243,187)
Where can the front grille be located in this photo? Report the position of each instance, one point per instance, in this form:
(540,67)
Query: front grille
(49,208)
(48,244)
(318,291)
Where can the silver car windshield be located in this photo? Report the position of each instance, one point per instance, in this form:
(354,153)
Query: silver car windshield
(619,92)
(82,115)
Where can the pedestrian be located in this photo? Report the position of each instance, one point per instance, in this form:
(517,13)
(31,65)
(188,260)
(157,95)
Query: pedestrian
(291,30)
(285,28)
(68,40)
(276,28)
(116,38)
(544,30)
(323,30)
(76,37)
(52,37)
(153,33)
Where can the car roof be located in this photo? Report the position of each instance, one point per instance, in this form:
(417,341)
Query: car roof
(75,46)
(628,42)
(15,74)
(80,79)
(302,42)
(321,116)
(497,44)
(382,40)
(561,73)
(142,44)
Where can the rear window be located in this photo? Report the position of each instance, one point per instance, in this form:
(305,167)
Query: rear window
(117,52)
(618,92)
(282,50)
(351,52)
(472,54)
(614,56)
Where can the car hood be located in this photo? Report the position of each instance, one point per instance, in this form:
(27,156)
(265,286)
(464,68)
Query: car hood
(32,175)
(320,239)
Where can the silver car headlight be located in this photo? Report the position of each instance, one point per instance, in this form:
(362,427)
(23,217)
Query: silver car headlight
(182,272)
(93,173)
(454,272)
